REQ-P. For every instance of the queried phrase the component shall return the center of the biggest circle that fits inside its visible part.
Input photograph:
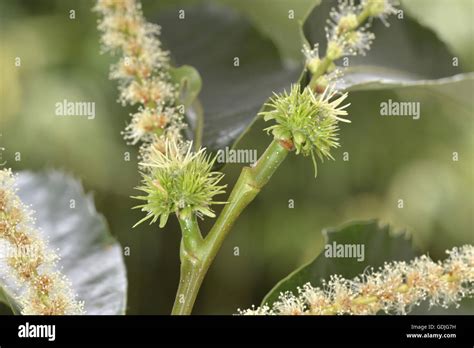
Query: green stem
(249, 184)
(362, 17)
(323, 66)
(194, 266)
(190, 255)
(190, 281)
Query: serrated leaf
(380, 245)
(90, 257)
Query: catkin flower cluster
(143, 72)
(43, 290)
(347, 34)
(395, 288)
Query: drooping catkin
(143, 72)
(394, 288)
(30, 263)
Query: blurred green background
(392, 159)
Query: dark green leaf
(211, 38)
(380, 245)
(279, 20)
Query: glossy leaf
(89, 256)
(279, 20)
(240, 67)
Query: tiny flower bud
(380, 8)
(335, 50)
(299, 139)
(348, 22)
